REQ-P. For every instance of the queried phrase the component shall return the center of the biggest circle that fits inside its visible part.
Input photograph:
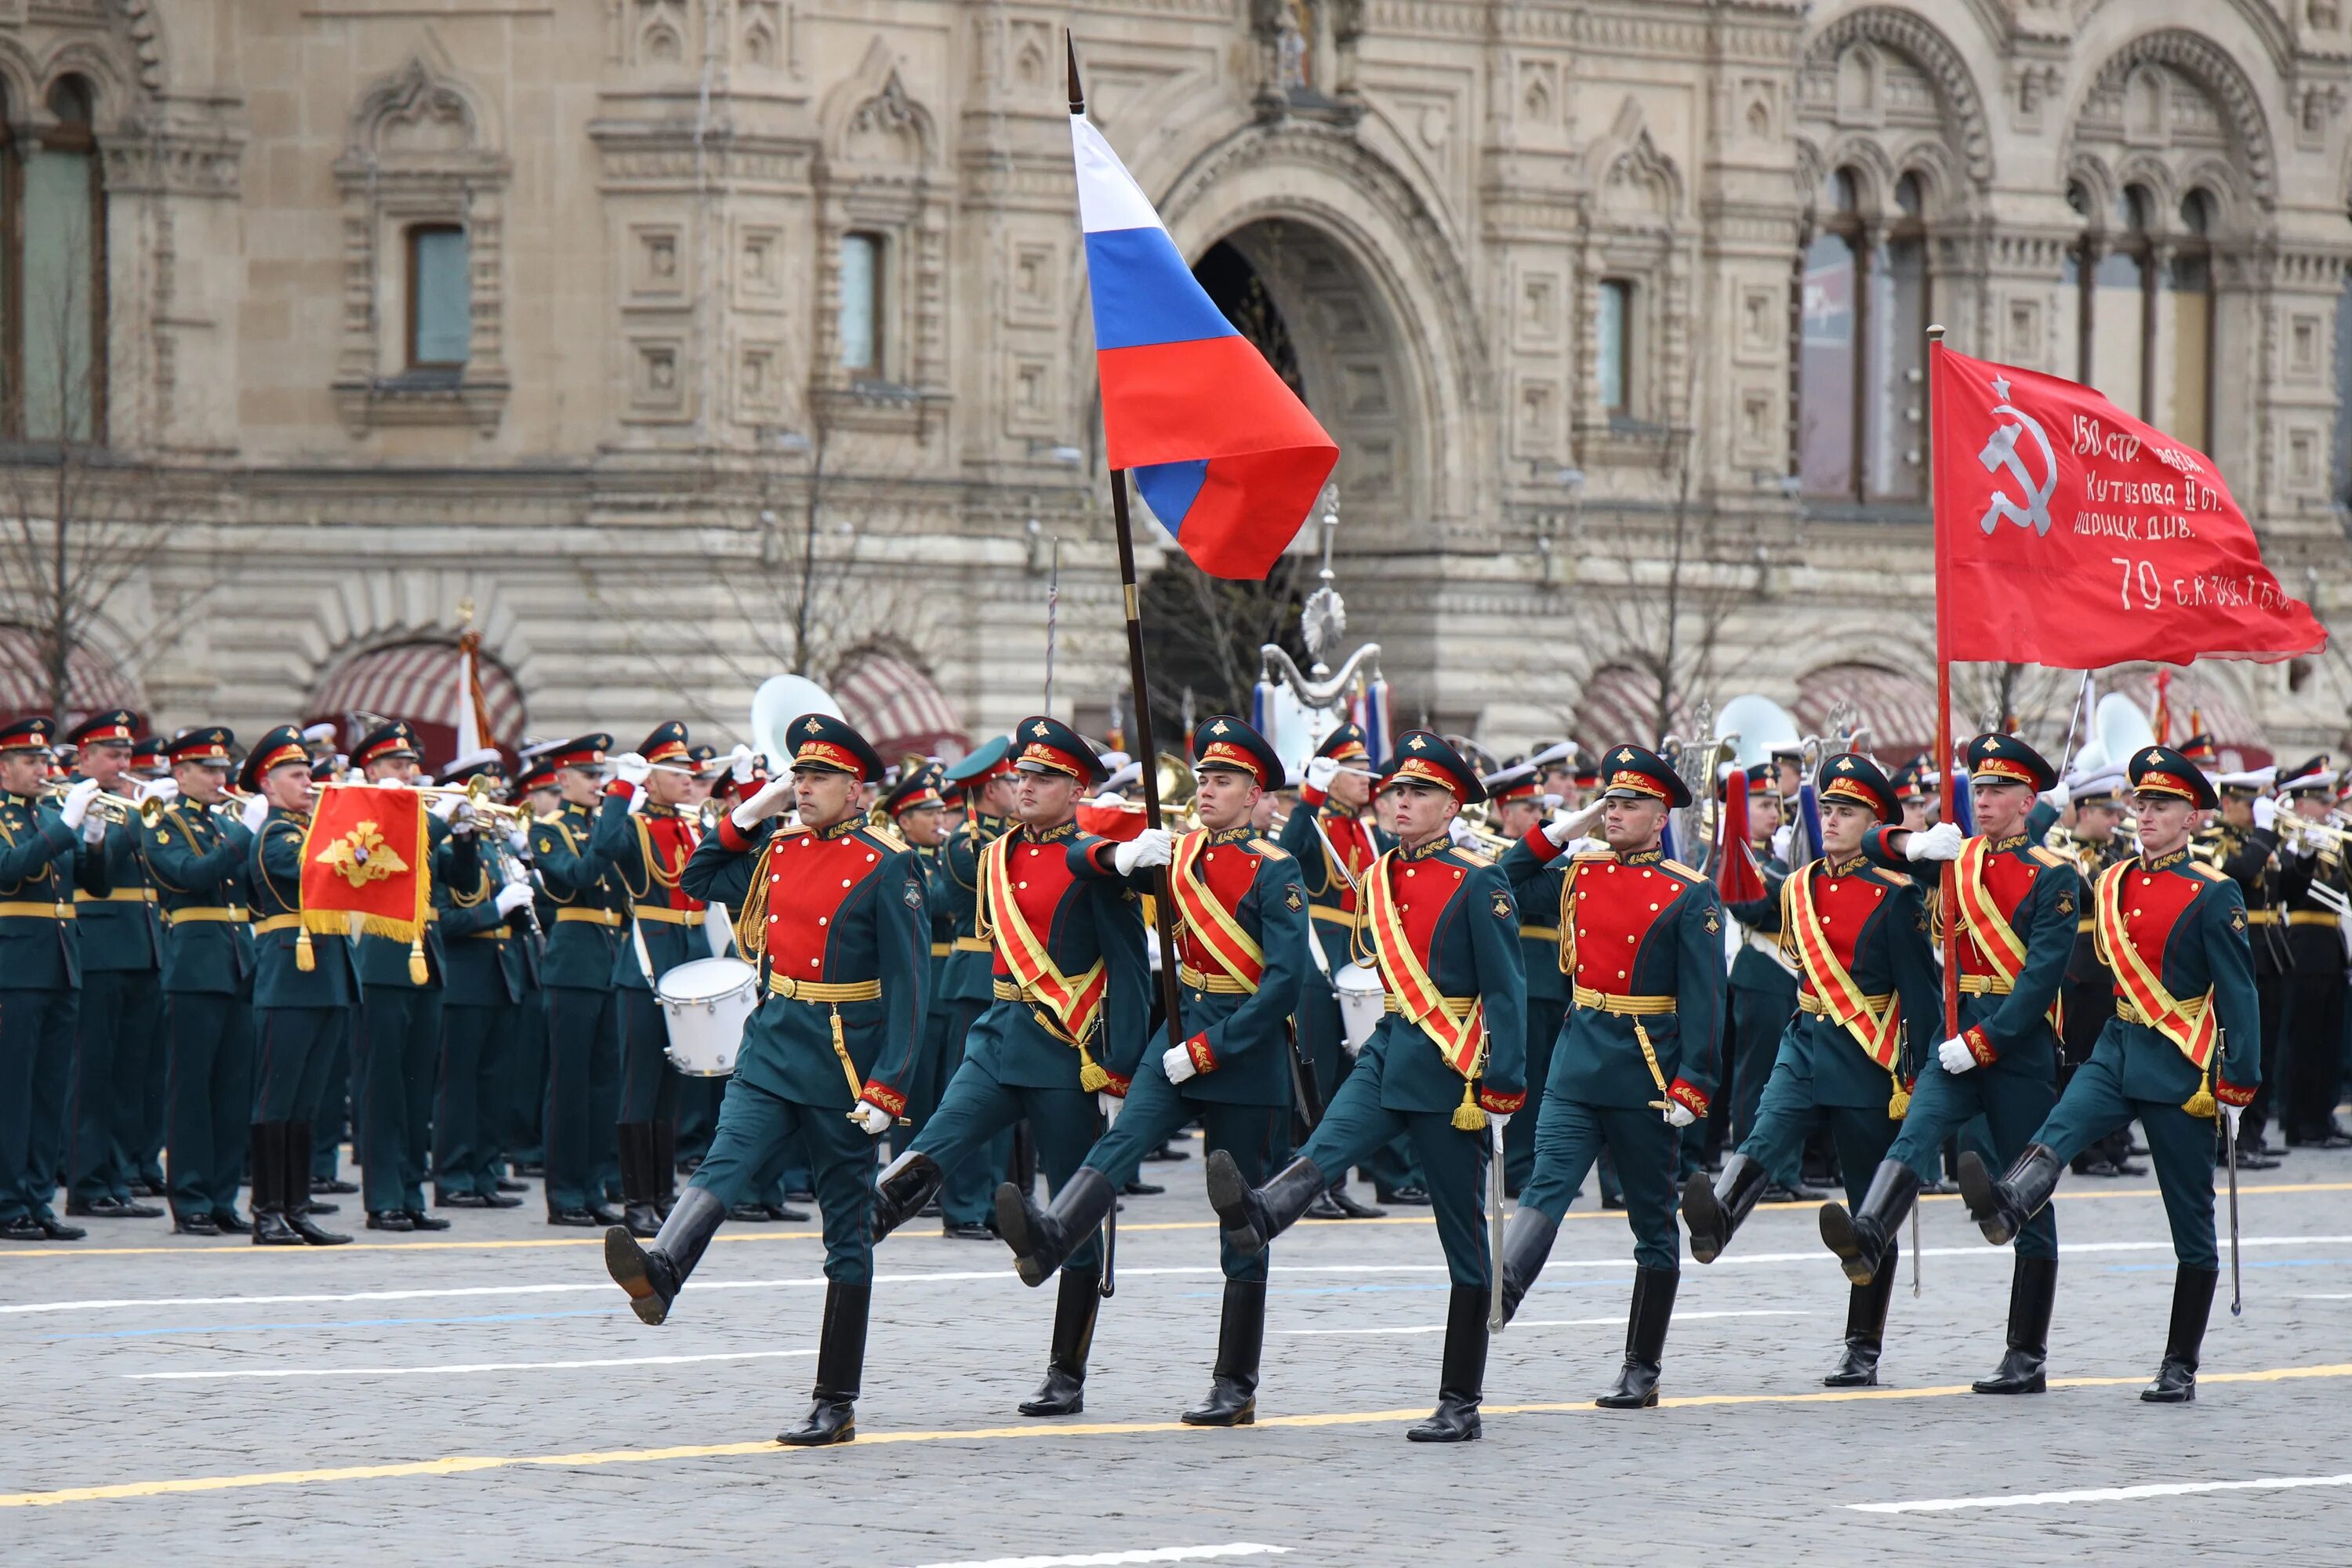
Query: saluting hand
(771, 799)
(1567, 824)
(631, 768)
(1320, 772)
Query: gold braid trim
(751, 919)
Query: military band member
(148, 1070)
(121, 1004)
(1868, 1010)
(919, 815)
(986, 791)
(1519, 810)
(2017, 903)
(1640, 939)
(1443, 928)
(334, 1123)
(1242, 931)
(1068, 1028)
(1334, 847)
(517, 1134)
(196, 857)
(2185, 1040)
(2316, 888)
(305, 988)
(584, 947)
(483, 953)
(49, 851)
(646, 839)
(2242, 841)
(2093, 843)
(832, 911)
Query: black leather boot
(294, 1185)
(1254, 1216)
(1233, 1383)
(1713, 1212)
(1636, 1387)
(905, 1186)
(268, 1203)
(1463, 1373)
(2192, 1302)
(1064, 1391)
(2032, 1287)
(653, 1276)
(638, 1214)
(1860, 1241)
(840, 1362)
(662, 1167)
(1526, 1242)
(1865, 1325)
(1042, 1239)
(2001, 1208)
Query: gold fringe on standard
(419, 972)
(304, 958)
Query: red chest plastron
(1229, 870)
(2153, 903)
(808, 878)
(2009, 876)
(1041, 875)
(1614, 905)
(1354, 851)
(672, 841)
(1423, 888)
(1845, 905)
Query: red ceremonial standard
(2070, 534)
(366, 854)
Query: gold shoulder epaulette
(2210, 873)
(2047, 856)
(1469, 857)
(1679, 869)
(887, 840)
(788, 831)
(1893, 879)
(1267, 849)
(1592, 857)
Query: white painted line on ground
(459, 1366)
(2102, 1494)
(1614, 1319)
(1116, 1558)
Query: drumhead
(706, 979)
(1358, 977)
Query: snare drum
(1362, 1000)
(707, 1002)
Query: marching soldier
(584, 948)
(2316, 889)
(643, 836)
(917, 815)
(122, 1001)
(2017, 905)
(1868, 986)
(1635, 1057)
(982, 781)
(1519, 811)
(2185, 1039)
(2093, 843)
(1064, 1037)
(1334, 847)
(304, 991)
(1442, 926)
(481, 998)
(832, 912)
(48, 852)
(196, 857)
(2242, 841)
(1763, 984)
(1242, 931)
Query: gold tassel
(1898, 1104)
(304, 958)
(2201, 1102)
(1468, 1116)
(418, 973)
(1091, 1076)
(848, 1069)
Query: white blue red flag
(1226, 455)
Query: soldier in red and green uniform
(981, 785)
(1519, 810)
(1441, 924)
(918, 813)
(585, 946)
(2185, 1043)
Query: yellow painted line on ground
(462, 1464)
(741, 1237)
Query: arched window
(1897, 336)
(2144, 312)
(2116, 271)
(1829, 344)
(1862, 347)
(2185, 395)
(53, 273)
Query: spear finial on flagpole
(1078, 93)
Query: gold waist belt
(1984, 985)
(1216, 984)
(970, 945)
(593, 917)
(1007, 990)
(276, 924)
(1455, 1007)
(2086, 925)
(818, 992)
(2191, 1008)
(1809, 1002)
(1629, 1006)
(119, 896)
(231, 915)
(2312, 918)
(666, 917)
(1539, 933)
(1330, 912)
(942, 949)
(2262, 916)
(36, 912)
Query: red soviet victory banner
(366, 854)
(2070, 534)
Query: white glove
(1784, 838)
(772, 798)
(631, 768)
(2265, 812)
(512, 897)
(1320, 772)
(93, 830)
(165, 790)
(256, 811)
(2233, 1113)
(1111, 799)
(518, 838)
(1152, 846)
(1567, 824)
(2058, 797)
(1955, 1056)
(870, 1118)
(1678, 1114)
(1459, 832)
(1177, 1063)
(1497, 1121)
(1941, 842)
(445, 807)
(742, 763)
(75, 808)
(464, 819)
(1110, 1104)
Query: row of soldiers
(831, 907)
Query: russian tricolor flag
(1228, 458)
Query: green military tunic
(586, 940)
(122, 1022)
(482, 992)
(43, 863)
(197, 860)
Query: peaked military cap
(1517, 782)
(667, 745)
(983, 761)
(485, 762)
(328, 768)
(1851, 777)
(821, 742)
(1044, 745)
(147, 756)
(2160, 770)
(918, 789)
(537, 773)
(1424, 756)
(209, 743)
(1224, 742)
(2004, 759)
(2105, 788)
(1635, 773)
(580, 752)
(114, 727)
(1345, 743)
(396, 738)
(32, 734)
(2200, 748)
(280, 744)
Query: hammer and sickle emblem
(2001, 456)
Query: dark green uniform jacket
(2195, 916)
(1460, 917)
(118, 928)
(42, 863)
(967, 966)
(590, 911)
(273, 876)
(1240, 1040)
(483, 955)
(197, 859)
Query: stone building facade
(688, 341)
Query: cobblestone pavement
(482, 1395)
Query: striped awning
(1619, 704)
(1899, 710)
(2194, 702)
(92, 683)
(418, 681)
(896, 706)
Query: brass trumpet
(2315, 834)
(112, 807)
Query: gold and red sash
(1981, 914)
(2195, 1037)
(1075, 1003)
(1878, 1034)
(1214, 930)
(1458, 1040)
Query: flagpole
(1948, 885)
